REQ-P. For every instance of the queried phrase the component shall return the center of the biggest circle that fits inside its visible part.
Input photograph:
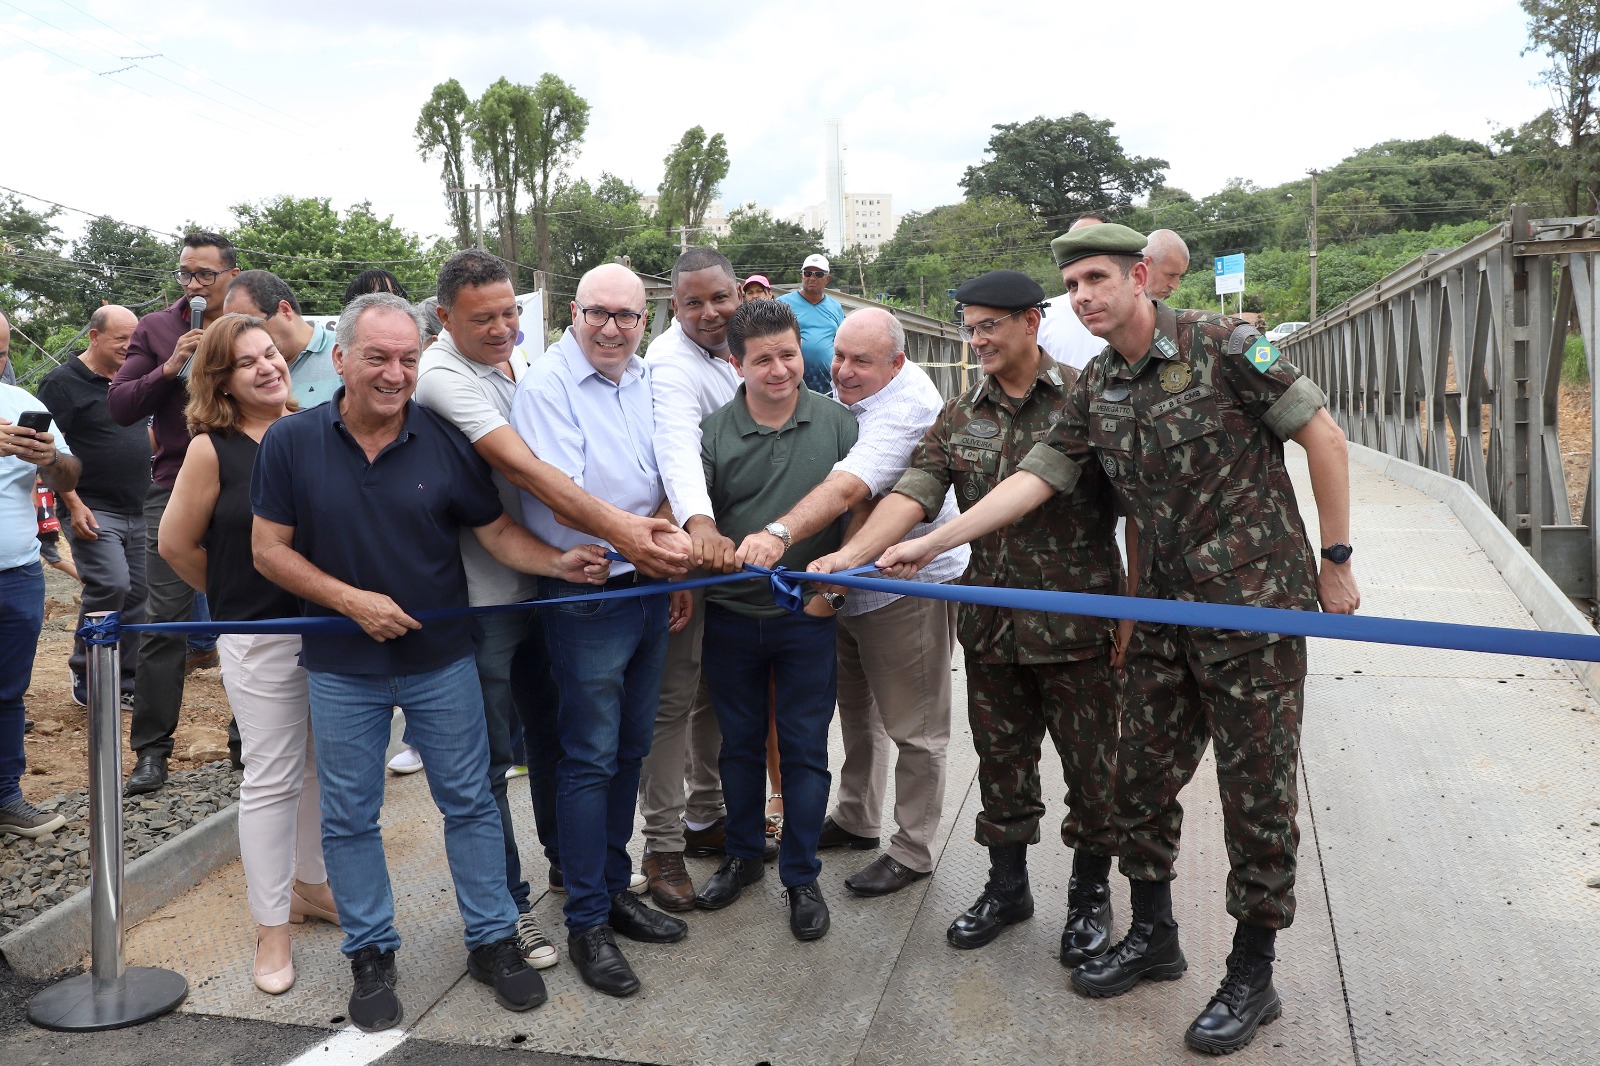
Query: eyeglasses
(204, 277)
(597, 316)
(987, 327)
(813, 273)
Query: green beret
(1006, 289)
(1107, 238)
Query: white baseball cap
(818, 261)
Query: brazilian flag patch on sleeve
(1262, 355)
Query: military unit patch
(1174, 377)
(1262, 355)
(983, 427)
(1110, 464)
(1114, 393)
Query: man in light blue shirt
(306, 346)
(585, 408)
(25, 455)
(819, 316)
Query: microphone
(197, 311)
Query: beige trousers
(679, 778)
(280, 820)
(894, 693)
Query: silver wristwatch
(779, 530)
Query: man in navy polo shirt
(359, 505)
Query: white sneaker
(537, 951)
(516, 771)
(407, 762)
(636, 882)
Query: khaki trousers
(894, 692)
(679, 778)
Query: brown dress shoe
(667, 881)
(708, 841)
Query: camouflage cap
(1006, 289)
(1105, 239)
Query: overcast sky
(248, 101)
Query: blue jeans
(533, 693)
(21, 617)
(507, 671)
(201, 613)
(606, 657)
(739, 655)
(350, 716)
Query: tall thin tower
(834, 180)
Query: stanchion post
(109, 996)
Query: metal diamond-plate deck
(739, 989)
(1448, 831)
(208, 934)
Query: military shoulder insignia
(1165, 346)
(1174, 377)
(1262, 355)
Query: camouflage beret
(1108, 238)
(1006, 289)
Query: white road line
(350, 1047)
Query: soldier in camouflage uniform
(1028, 672)
(1189, 428)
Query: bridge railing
(931, 342)
(1454, 362)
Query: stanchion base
(71, 1006)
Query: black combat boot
(1245, 1001)
(1149, 951)
(1087, 933)
(1006, 899)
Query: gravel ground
(35, 875)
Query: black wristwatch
(1337, 553)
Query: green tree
(1568, 33)
(650, 251)
(968, 238)
(1061, 167)
(559, 119)
(442, 128)
(32, 274)
(694, 169)
(122, 265)
(588, 224)
(757, 243)
(501, 125)
(307, 243)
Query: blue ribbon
(786, 592)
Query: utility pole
(922, 297)
(477, 206)
(683, 239)
(1313, 244)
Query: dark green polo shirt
(755, 474)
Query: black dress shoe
(724, 886)
(699, 843)
(634, 920)
(833, 836)
(808, 914)
(149, 774)
(600, 962)
(882, 877)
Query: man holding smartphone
(27, 451)
(149, 386)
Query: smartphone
(38, 421)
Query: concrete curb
(58, 939)
(1549, 606)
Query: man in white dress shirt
(680, 788)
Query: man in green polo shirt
(763, 452)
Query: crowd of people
(413, 459)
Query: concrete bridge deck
(1450, 824)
